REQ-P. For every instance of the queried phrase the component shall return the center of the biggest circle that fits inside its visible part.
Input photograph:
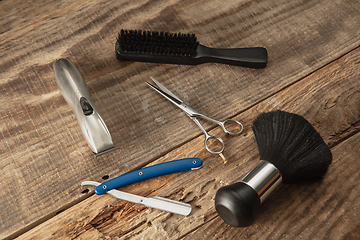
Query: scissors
(194, 115)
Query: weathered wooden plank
(43, 154)
(324, 210)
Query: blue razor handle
(143, 174)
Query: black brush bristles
(157, 43)
(291, 143)
(180, 48)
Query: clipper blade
(105, 151)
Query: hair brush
(179, 48)
(291, 151)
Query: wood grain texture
(323, 210)
(44, 157)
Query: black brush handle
(256, 57)
(237, 204)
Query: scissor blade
(165, 89)
(165, 92)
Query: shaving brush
(291, 151)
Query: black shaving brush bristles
(157, 43)
(290, 142)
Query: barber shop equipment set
(291, 150)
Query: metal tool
(142, 174)
(194, 115)
(153, 202)
(76, 94)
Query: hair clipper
(76, 94)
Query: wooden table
(313, 71)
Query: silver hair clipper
(76, 94)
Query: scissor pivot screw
(140, 173)
(104, 187)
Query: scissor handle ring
(207, 138)
(227, 132)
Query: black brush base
(237, 204)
